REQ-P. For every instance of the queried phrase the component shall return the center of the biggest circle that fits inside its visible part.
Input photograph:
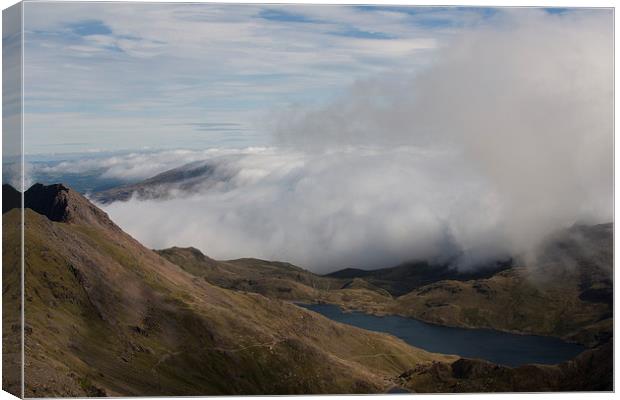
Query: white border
(475, 3)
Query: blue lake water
(497, 347)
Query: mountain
(107, 316)
(270, 278)
(553, 299)
(11, 300)
(404, 278)
(11, 198)
(567, 294)
(186, 178)
(566, 291)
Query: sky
(112, 76)
(341, 136)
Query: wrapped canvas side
(12, 203)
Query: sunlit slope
(270, 278)
(105, 315)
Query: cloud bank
(132, 166)
(367, 207)
(526, 101)
(504, 139)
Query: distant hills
(270, 278)
(567, 292)
(186, 178)
(408, 276)
(568, 295)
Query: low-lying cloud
(130, 166)
(527, 101)
(504, 139)
(366, 207)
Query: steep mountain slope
(11, 297)
(106, 316)
(11, 198)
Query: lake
(498, 347)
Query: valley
(555, 299)
(107, 316)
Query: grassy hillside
(106, 316)
(11, 296)
(548, 300)
(511, 300)
(271, 278)
(566, 293)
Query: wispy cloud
(191, 62)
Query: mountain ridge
(107, 316)
(184, 178)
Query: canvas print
(259, 199)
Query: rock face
(52, 201)
(11, 198)
(61, 204)
(107, 316)
(58, 203)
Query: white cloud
(190, 61)
(328, 210)
(506, 138)
(526, 100)
(134, 166)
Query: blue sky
(111, 76)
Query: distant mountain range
(404, 278)
(186, 178)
